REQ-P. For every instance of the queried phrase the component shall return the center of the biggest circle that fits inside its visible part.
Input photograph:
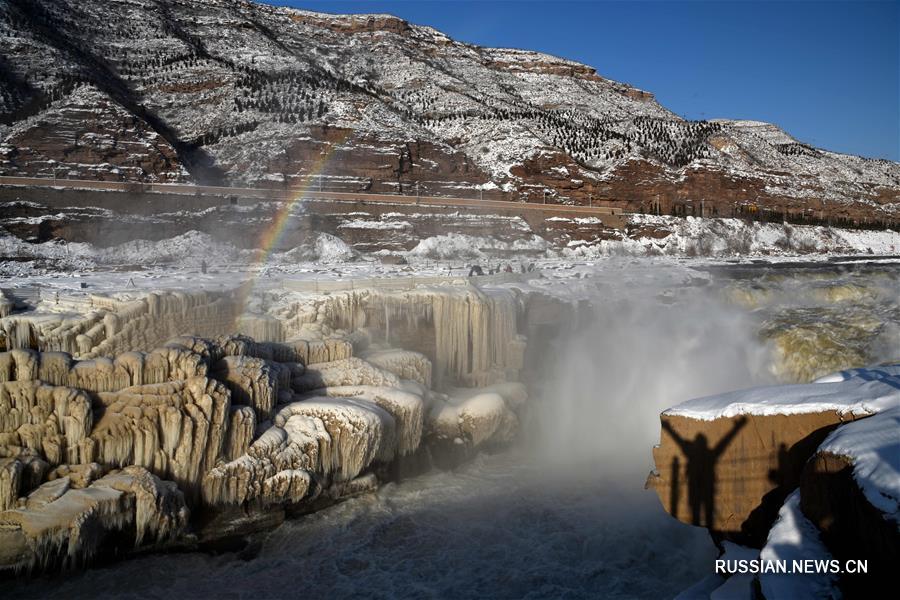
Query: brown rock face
(354, 23)
(89, 136)
(851, 527)
(732, 475)
(355, 161)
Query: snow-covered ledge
(730, 462)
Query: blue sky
(828, 72)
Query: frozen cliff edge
(120, 433)
(214, 445)
(820, 459)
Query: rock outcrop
(732, 475)
(818, 461)
(62, 523)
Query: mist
(599, 410)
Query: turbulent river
(563, 514)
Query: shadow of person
(673, 488)
(701, 470)
(782, 476)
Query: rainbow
(274, 233)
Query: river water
(563, 514)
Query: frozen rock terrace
(165, 420)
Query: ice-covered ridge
(867, 392)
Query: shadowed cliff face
(732, 475)
(850, 525)
(253, 94)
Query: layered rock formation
(245, 93)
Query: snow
(472, 418)
(695, 236)
(406, 408)
(382, 225)
(189, 246)
(736, 587)
(457, 246)
(794, 538)
(492, 105)
(360, 431)
(332, 249)
(886, 372)
(187, 249)
(869, 391)
(873, 446)
(323, 249)
(646, 235)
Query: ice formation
(336, 437)
(253, 382)
(405, 364)
(241, 431)
(407, 409)
(360, 433)
(122, 417)
(6, 305)
(472, 419)
(40, 426)
(176, 429)
(349, 371)
(61, 522)
(475, 339)
(102, 374)
(114, 326)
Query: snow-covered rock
(794, 538)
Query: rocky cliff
(795, 471)
(236, 92)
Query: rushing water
(499, 527)
(564, 514)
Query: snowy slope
(224, 90)
(873, 446)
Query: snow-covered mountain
(243, 93)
